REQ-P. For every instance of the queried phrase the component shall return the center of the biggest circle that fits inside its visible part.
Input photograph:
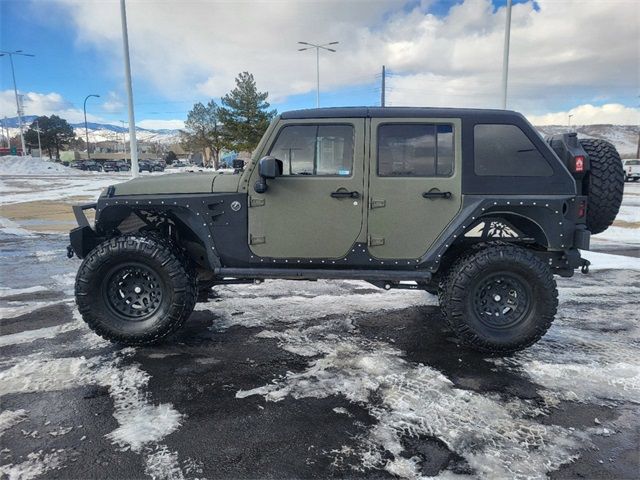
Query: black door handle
(345, 194)
(437, 195)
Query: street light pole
(505, 55)
(39, 144)
(569, 123)
(317, 47)
(124, 140)
(15, 91)
(86, 131)
(133, 144)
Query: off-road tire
(464, 284)
(173, 282)
(604, 184)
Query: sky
(578, 57)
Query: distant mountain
(28, 119)
(104, 132)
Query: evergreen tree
(245, 114)
(203, 132)
(55, 133)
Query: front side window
(415, 150)
(324, 150)
(505, 151)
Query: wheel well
(530, 235)
(168, 224)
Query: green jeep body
(499, 182)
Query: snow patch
(497, 440)
(17, 309)
(140, 422)
(36, 464)
(9, 292)
(27, 165)
(10, 418)
(10, 227)
(27, 336)
(603, 261)
(163, 464)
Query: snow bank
(607, 261)
(13, 165)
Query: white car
(631, 169)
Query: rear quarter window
(505, 151)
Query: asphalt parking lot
(313, 380)
(308, 379)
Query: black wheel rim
(501, 300)
(133, 292)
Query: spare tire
(604, 184)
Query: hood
(192, 182)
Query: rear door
(414, 184)
(315, 209)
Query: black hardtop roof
(401, 112)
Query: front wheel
(499, 299)
(135, 289)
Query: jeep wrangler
(472, 205)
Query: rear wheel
(499, 299)
(604, 184)
(135, 290)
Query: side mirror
(268, 167)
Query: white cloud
(570, 49)
(161, 124)
(113, 103)
(35, 103)
(611, 113)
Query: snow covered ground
(311, 379)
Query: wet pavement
(312, 380)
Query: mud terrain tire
(135, 289)
(499, 299)
(604, 184)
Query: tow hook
(585, 266)
(70, 251)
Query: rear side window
(632, 162)
(325, 150)
(505, 151)
(415, 150)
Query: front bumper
(83, 238)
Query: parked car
(123, 166)
(91, 165)
(158, 165)
(76, 164)
(111, 166)
(631, 170)
(116, 166)
(471, 205)
(145, 166)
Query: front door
(414, 184)
(315, 209)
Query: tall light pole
(86, 130)
(569, 123)
(133, 144)
(39, 144)
(505, 55)
(15, 90)
(124, 140)
(317, 47)
(4, 125)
